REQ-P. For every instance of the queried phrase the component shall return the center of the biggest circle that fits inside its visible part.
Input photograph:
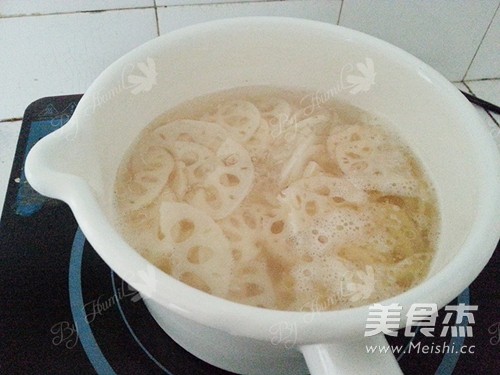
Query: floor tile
(9, 8)
(171, 18)
(63, 54)
(9, 132)
(444, 34)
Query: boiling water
(264, 197)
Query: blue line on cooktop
(87, 339)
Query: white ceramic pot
(78, 164)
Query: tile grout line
(468, 88)
(481, 42)
(340, 11)
(481, 79)
(155, 6)
(73, 12)
(156, 17)
(13, 119)
(493, 118)
(224, 3)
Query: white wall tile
(171, 18)
(443, 33)
(486, 63)
(198, 2)
(63, 54)
(32, 7)
(9, 132)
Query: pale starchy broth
(273, 198)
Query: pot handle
(351, 358)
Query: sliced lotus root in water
(322, 279)
(313, 169)
(138, 227)
(207, 134)
(308, 159)
(178, 180)
(316, 118)
(296, 131)
(274, 222)
(371, 161)
(393, 227)
(240, 118)
(345, 133)
(145, 178)
(390, 279)
(377, 166)
(319, 163)
(305, 206)
(274, 110)
(338, 190)
(227, 185)
(217, 171)
(148, 156)
(249, 227)
(292, 146)
(389, 236)
(258, 144)
(274, 232)
(252, 285)
(323, 233)
(317, 124)
(210, 116)
(379, 233)
(242, 229)
(309, 151)
(194, 161)
(311, 198)
(296, 162)
(200, 253)
(409, 271)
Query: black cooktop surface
(64, 311)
